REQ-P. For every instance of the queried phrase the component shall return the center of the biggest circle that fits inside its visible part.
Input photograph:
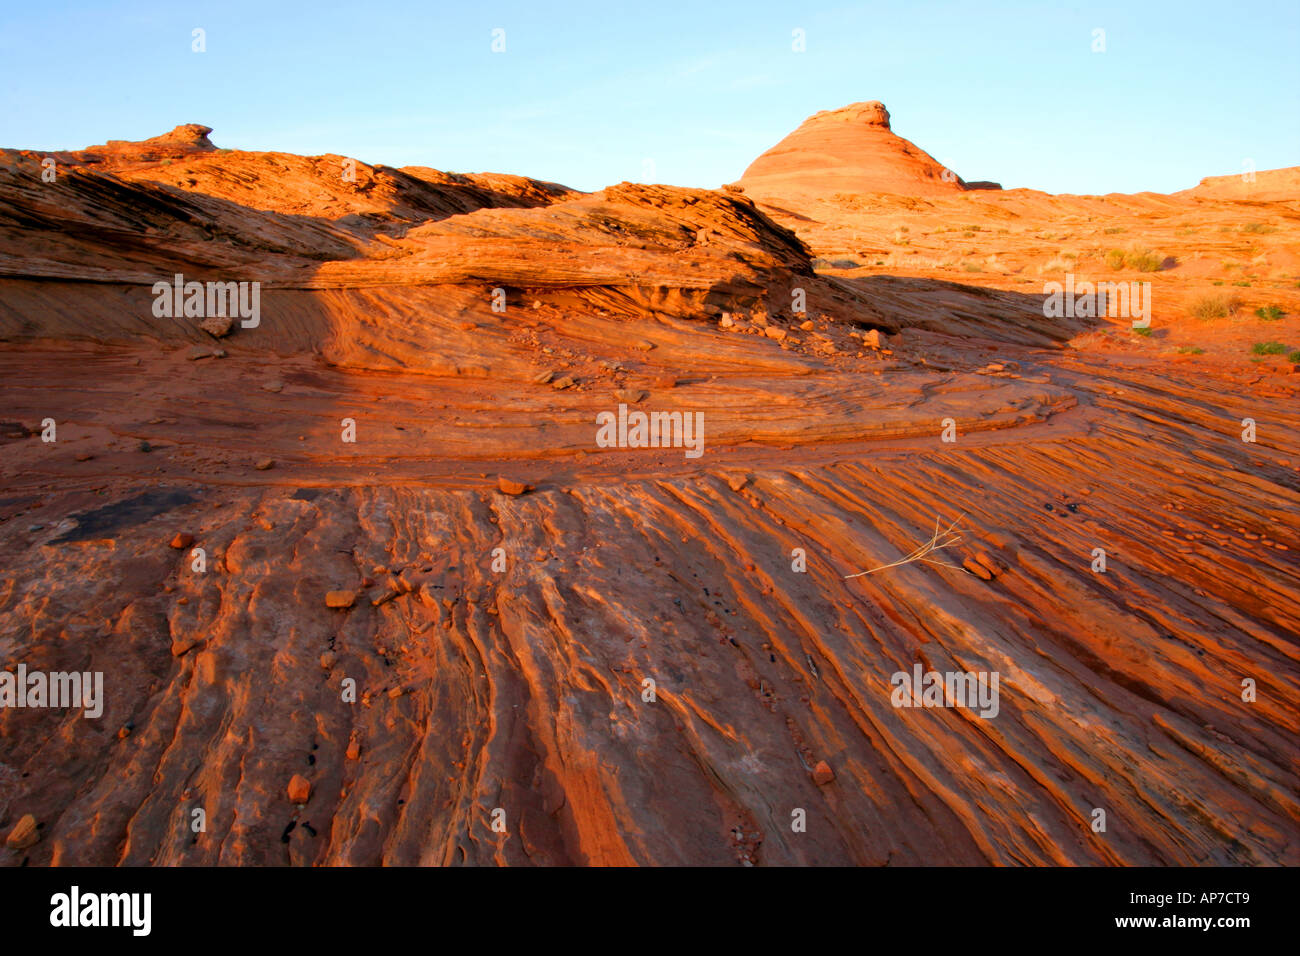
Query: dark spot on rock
(100, 522)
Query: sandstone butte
(500, 644)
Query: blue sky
(586, 92)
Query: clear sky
(586, 92)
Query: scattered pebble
(24, 833)
(508, 486)
(299, 789)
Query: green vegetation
(1113, 230)
(1145, 333)
(1268, 348)
(1269, 313)
(1145, 260)
(1258, 228)
(1190, 350)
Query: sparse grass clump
(1243, 283)
(973, 267)
(1269, 313)
(1215, 306)
(1145, 333)
(1268, 348)
(1258, 228)
(1115, 259)
(1113, 230)
(1144, 260)
(1190, 350)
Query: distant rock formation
(850, 150)
(1265, 185)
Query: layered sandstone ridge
(396, 483)
(851, 150)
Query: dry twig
(938, 541)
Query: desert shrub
(1242, 283)
(973, 267)
(1215, 306)
(1258, 228)
(1144, 260)
(1115, 259)
(1294, 357)
(1145, 333)
(1269, 313)
(1114, 230)
(1190, 350)
(1268, 348)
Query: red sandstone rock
(508, 486)
(24, 834)
(524, 688)
(299, 789)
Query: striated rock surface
(385, 653)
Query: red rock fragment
(508, 486)
(299, 789)
(24, 833)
